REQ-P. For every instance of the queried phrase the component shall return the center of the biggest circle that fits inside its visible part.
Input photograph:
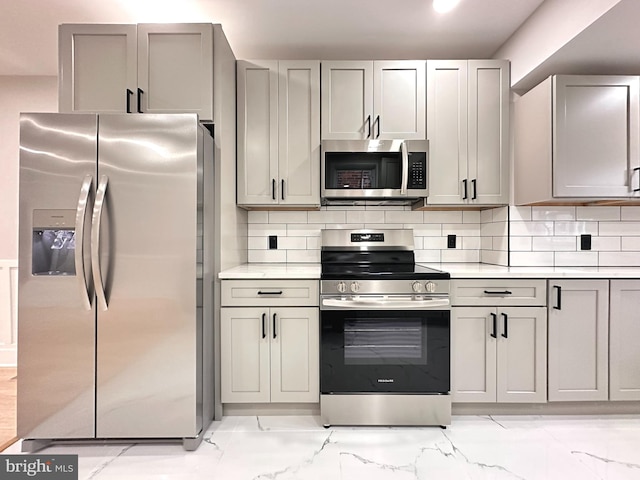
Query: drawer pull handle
(558, 305)
(502, 292)
(260, 292)
(274, 326)
(264, 325)
(495, 325)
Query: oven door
(385, 351)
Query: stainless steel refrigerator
(115, 306)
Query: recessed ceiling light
(443, 6)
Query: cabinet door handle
(503, 292)
(274, 326)
(475, 189)
(637, 169)
(368, 122)
(505, 333)
(378, 126)
(273, 188)
(558, 305)
(495, 325)
(264, 325)
(282, 189)
(260, 292)
(129, 93)
(465, 194)
(140, 92)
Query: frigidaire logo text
(60, 467)
(385, 380)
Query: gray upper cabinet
(468, 132)
(145, 68)
(278, 104)
(373, 100)
(577, 136)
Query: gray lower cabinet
(498, 340)
(624, 330)
(270, 348)
(578, 340)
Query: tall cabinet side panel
(56, 317)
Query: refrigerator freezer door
(147, 336)
(56, 333)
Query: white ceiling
(278, 29)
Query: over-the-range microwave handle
(81, 210)
(405, 168)
(95, 242)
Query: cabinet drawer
(499, 292)
(250, 293)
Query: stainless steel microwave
(374, 169)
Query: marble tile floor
(299, 448)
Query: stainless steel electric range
(385, 332)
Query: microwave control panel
(417, 170)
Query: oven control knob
(417, 287)
(355, 286)
(342, 287)
(430, 287)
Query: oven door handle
(363, 303)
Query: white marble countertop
(278, 271)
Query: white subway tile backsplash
(292, 243)
(327, 216)
(258, 243)
(471, 243)
(500, 214)
(458, 256)
(435, 243)
(576, 259)
(427, 256)
(630, 243)
(520, 214)
(471, 216)
(258, 216)
(630, 213)
(531, 259)
(620, 229)
(494, 257)
(267, 256)
(427, 230)
(313, 243)
(546, 244)
(521, 244)
(380, 226)
(500, 243)
(604, 244)
(463, 229)
(486, 216)
(444, 216)
(303, 256)
(486, 243)
(598, 213)
(418, 243)
(265, 229)
(403, 217)
(364, 216)
(575, 228)
(277, 216)
(529, 229)
(553, 213)
(619, 259)
(305, 230)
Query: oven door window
(385, 351)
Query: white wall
(17, 94)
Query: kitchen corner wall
(298, 232)
(550, 236)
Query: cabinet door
(175, 68)
(244, 346)
(399, 100)
(299, 133)
(447, 131)
(488, 130)
(295, 352)
(578, 340)
(97, 65)
(522, 355)
(257, 107)
(347, 100)
(624, 354)
(473, 355)
(595, 145)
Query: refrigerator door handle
(81, 210)
(95, 242)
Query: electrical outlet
(273, 242)
(585, 241)
(451, 241)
